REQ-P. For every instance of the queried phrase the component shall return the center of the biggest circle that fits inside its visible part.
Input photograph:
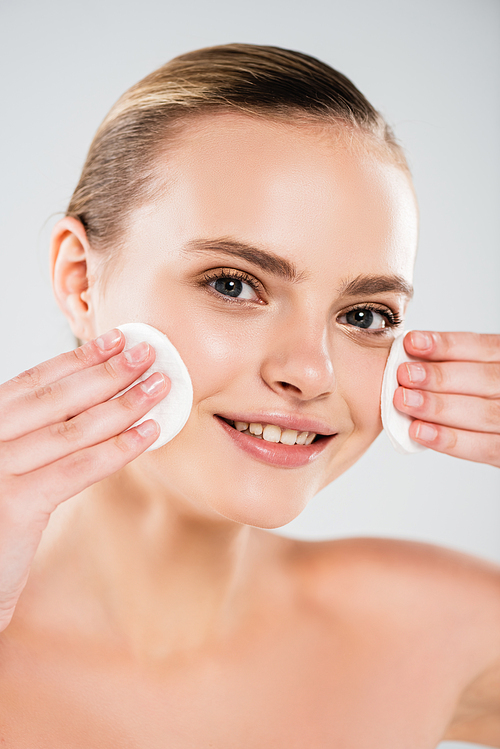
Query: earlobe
(69, 258)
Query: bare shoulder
(444, 602)
(426, 575)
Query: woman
(251, 204)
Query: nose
(298, 363)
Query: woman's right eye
(234, 287)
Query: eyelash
(393, 318)
(208, 278)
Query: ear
(69, 264)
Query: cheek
(360, 382)
(219, 350)
(213, 354)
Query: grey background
(431, 66)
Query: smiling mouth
(274, 433)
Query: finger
(88, 355)
(74, 394)
(466, 378)
(453, 346)
(92, 427)
(67, 477)
(460, 411)
(476, 446)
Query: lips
(275, 452)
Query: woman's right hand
(60, 433)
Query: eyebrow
(263, 259)
(373, 284)
(278, 266)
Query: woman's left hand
(454, 395)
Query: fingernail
(426, 433)
(153, 384)
(147, 428)
(416, 372)
(108, 340)
(412, 398)
(137, 353)
(422, 341)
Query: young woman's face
(276, 261)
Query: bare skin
(158, 611)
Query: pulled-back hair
(119, 173)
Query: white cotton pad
(173, 411)
(396, 424)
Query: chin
(263, 497)
(255, 502)
(274, 512)
(216, 485)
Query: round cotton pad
(173, 411)
(395, 423)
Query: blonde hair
(119, 172)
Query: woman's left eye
(366, 319)
(233, 287)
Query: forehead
(310, 192)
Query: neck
(156, 576)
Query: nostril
(289, 386)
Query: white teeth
(288, 436)
(271, 433)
